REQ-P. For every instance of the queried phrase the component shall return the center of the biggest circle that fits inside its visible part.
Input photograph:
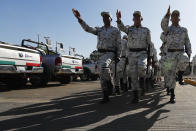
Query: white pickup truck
(57, 67)
(17, 64)
(73, 63)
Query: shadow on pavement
(82, 109)
(5, 88)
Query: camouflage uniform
(115, 77)
(155, 62)
(177, 41)
(121, 64)
(163, 53)
(122, 74)
(108, 41)
(138, 41)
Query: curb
(189, 81)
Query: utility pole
(38, 37)
(56, 46)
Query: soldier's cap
(106, 13)
(137, 13)
(125, 37)
(176, 12)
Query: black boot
(141, 82)
(117, 90)
(109, 87)
(129, 81)
(153, 82)
(125, 87)
(147, 82)
(180, 77)
(167, 90)
(121, 84)
(135, 97)
(105, 97)
(172, 97)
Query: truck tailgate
(15, 55)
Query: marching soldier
(139, 40)
(122, 65)
(115, 75)
(177, 43)
(109, 39)
(154, 66)
(163, 53)
(151, 74)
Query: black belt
(103, 50)
(137, 49)
(175, 50)
(123, 57)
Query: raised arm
(120, 23)
(86, 27)
(165, 21)
(118, 43)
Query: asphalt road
(75, 107)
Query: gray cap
(176, 12)
(137, 13)
(106, 13)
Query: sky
(25, 19)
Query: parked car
(17, 64)
(57, 67)
(90, 70)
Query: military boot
(135, 97)
(117, 90)
(121, 84)
(129, 81)
(180, 77)
(172, 97)
(105, 97)
(125, 87)
(109, 87)
(142, 86)
(168, 91)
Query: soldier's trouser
(104, 64)
(121, 70)
(161, 65)
(175, 61)
(115, 77)
(125, 78)
(136, 67)
(155, 73)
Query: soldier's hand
(76, 13)
(118, 15)
(168, 12)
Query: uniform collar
(107, 27)
(175, 26)
(137, 27)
